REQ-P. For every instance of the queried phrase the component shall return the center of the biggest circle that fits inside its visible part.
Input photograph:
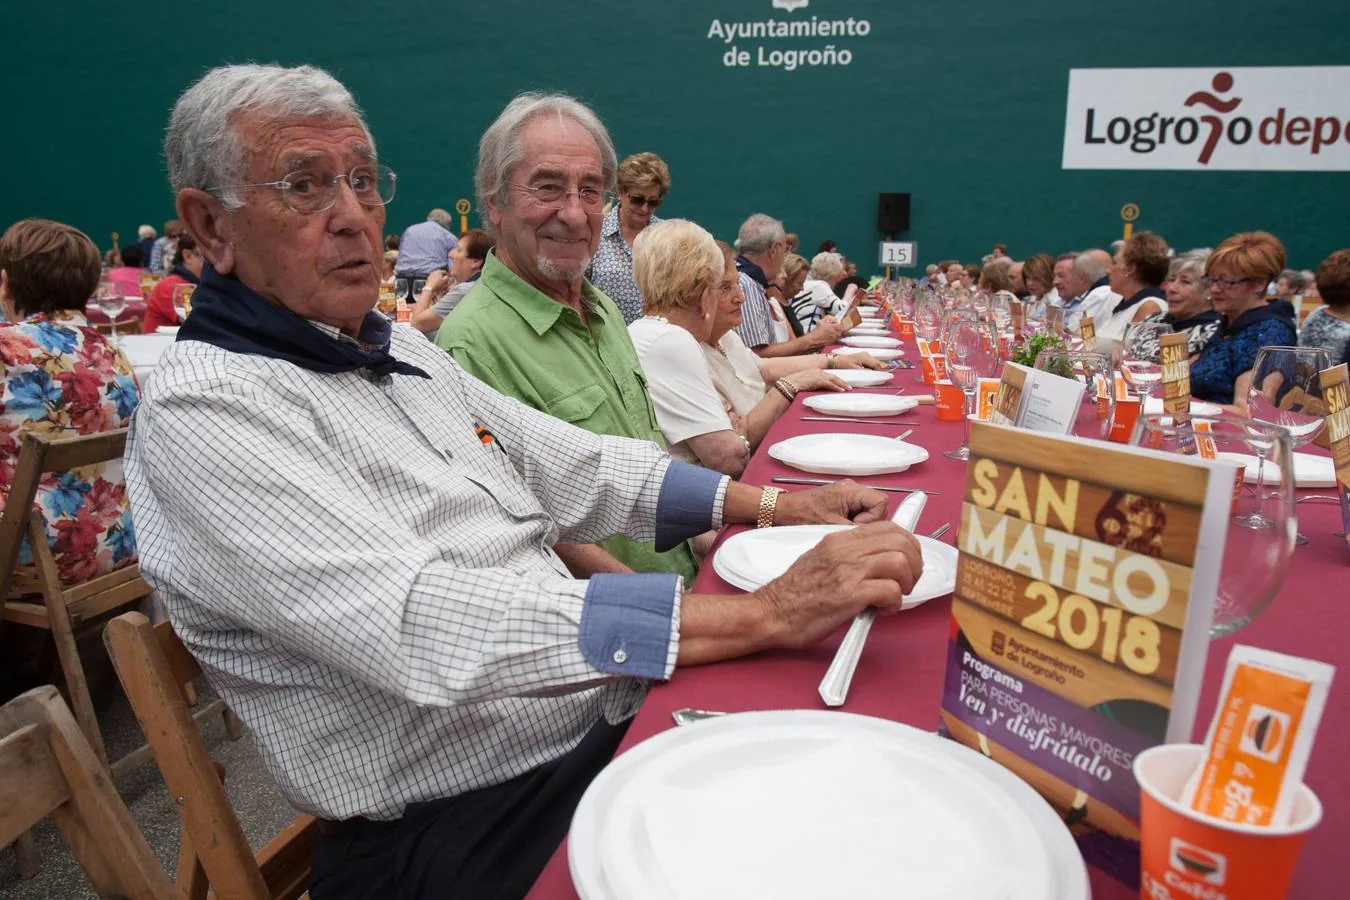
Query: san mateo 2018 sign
(1289, 118)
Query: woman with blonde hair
(643, 180)
(708, 389)
(1238, 273)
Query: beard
(568, 270)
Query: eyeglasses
(308, 191)
(1226, 283)
(554, 196)
(639, 200)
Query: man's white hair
(1089, 267)
(201, 146)
(145, 231)
(499, 150)
(758, 233)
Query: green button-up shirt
(531, 347)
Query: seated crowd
(442, 563)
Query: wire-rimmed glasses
(310, 191)
(551, 195)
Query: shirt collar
(753, 271)
(1148, 293)
(1251, 317)
(610, 226)
(540, 311)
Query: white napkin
(839, 822)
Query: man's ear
(494, 213)
(205, 219)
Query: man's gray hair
(1191, 262)
(441, 218)
(201, 146)
(758, 233)
(1115, 247)
(145, 231)
(499, 150)
(1295, 280)
(825, 266)
(1089, 267)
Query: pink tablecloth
(901, 671)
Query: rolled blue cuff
(627, 621)
(686, 504)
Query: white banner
(1285, 118)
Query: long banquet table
(900, 674)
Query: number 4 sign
(904, 254)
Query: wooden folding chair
(154, 666)
(48, 768)
(64, 609)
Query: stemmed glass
(1139, 358)
(928, 313)
(112, 303)
(971, 348)
(1286, 390)
(182, 300)
(1093, 370)
(1255, 560)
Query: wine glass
(971, 348)
(1139, 358)
(1286, 390)
(112, 303)
(1093, 370)
(182, 300)
(1255, 560)
(1035, 316)
(928, 313)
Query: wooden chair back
(47, 768)
(64, 608)
(154, 667)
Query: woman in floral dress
(61, 376)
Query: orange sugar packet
(1261, 737)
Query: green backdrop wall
(961, 103)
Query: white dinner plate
(874, 352)
(752, 559)
(862, 377)
(785, 787)
(1154, 406)
(868, 312)
(1309, 471)
(870, 341)
(868, 328)
(167, 329)
(856, 404)
(847, 454)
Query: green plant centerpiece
(1025, 354)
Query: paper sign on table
(1336, 395)
(1173, 351)
(1036, 399)
(985, 392)
(1081, 617)
(1127, 411)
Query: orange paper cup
(1127, 413)
(1185, 855)
(951, 403)
(906, 329)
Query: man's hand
(825, 333)
(857, 361)
(834, 504)
(818, 380)
(870, 566)
(438, 282)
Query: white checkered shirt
(371, 587)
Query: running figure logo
(1222, 83)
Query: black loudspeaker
(892, 212)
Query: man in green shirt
(533, 327)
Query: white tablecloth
(143, 351)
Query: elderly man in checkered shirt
(354, 537)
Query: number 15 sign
(904, 254)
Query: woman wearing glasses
(1238, 272)
(643, 180)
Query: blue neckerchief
(185, 273)
(226, 314)
(754, 271)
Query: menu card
(1336, 395)
(1176, 373)
(1084, 596)
(1036, 400)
